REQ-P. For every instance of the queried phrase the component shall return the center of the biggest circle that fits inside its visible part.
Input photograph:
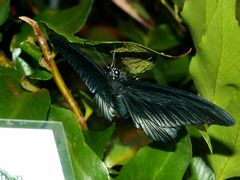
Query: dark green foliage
(140, 35)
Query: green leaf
(203, 13)
(25, 68)
(88, 103)
(200, 132)
(172, 70)
(18, 103)
(155, 163)
(199, 170)
(119, 154)
(131, 31)
(179, 3)
(215, 71)
(71, 20)
(163, 38)
(127, 141)
(67, 21)
(41, 75)
(32, 50)
(21, 65)
(99, 140)
(206, 137)
(86, 164)
(4, 10)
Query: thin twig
(174, 13)
(47, 54)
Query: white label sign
(29, 154)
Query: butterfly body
(116, 85)
(159, 111)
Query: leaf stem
(49, 58)
(175, 14)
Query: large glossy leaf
(215, 70)
(71, 20)
(86, 164)
(68, 21)
(155, 163)
(18, 103)
(98, 140)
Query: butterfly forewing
(92, 75)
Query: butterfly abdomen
(120, 106)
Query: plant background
(117, 150)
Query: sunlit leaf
(215, 71)
(199, 170)
(156, 163)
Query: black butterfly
(159, 111)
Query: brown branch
(47, 54)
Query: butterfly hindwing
(172, 107)
(105, 106)
(158, 110)
(145, 119)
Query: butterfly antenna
(101, 57)
(114, 59)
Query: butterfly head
(114, 73)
